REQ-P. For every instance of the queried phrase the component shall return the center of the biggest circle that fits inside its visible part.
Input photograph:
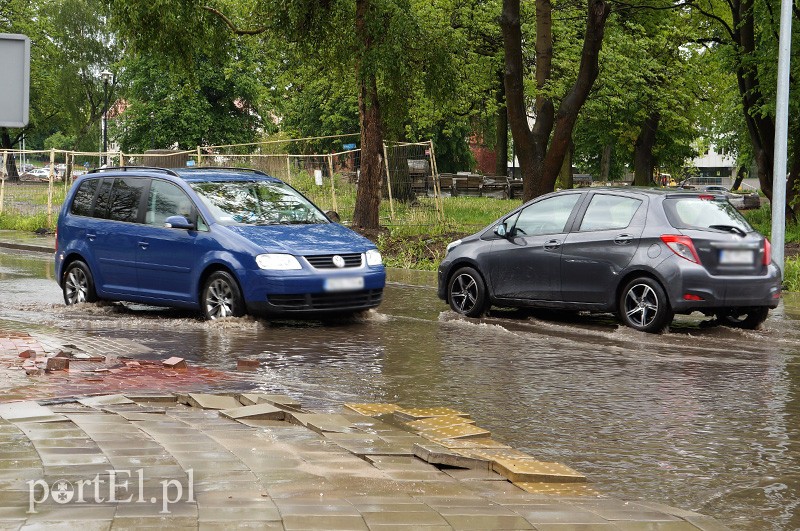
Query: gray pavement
(182, 459)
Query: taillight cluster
(767, 258)
(683, 246)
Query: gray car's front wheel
(643, 305)
(221, 297)
(78, 284)
(466, 293)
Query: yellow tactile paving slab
(530, 470)
(462, 431)
(479, 442)
(558, 489)
(372, 410)
(438, 422)
(492, 454)
(408, 414)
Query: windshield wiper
(730, 228)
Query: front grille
(327, 301)
(325, 261)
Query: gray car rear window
(696, 212)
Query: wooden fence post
(388, 182)
(333, 186)
(3, 176)
(50, 188)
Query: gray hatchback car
(645, 254)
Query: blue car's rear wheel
(466, 293)
(643, 305)
(221, 297)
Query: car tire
(466, 293)
(221, 297)
(750, 319)
(78, 284)
(644, 306)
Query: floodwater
(706, 419)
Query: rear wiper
(730, 228)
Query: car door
(602, 244)
(114, 233)
(525, 265)
(165, 255)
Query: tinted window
(607, 212)
(548, 216)
(699, 213)
(103, 199)
(126, 198)
(167, 200)
(82, 203)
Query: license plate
(730, 256)
(344, 283)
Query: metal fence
(410, 182)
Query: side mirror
(501, 230)
(178, 222)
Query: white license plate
(729, 256)
(344, 283)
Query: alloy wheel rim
(464, 293)
(219, 300)
(77, 286)
(641, 305)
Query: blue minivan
(220, 240)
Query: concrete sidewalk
(27, 241)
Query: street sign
(15, 65)
(349, 146)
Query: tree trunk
(11, 163)
(565, 180)
(605, 162)
(643, 151)
(540, 156)
(741, 173)
(368, 194)
(501, 130)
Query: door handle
(144, 245)
(552, 244)
(623, 239)
(91, 236)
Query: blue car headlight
(277, 262)
(374, 257)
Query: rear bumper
(723, 291)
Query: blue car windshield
(257, 203)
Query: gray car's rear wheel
(749, 319)
(466, 293)
(643, 305)
(221, 297)
(78, 284)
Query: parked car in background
(221, 241)
(644, 254)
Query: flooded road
(706, 419)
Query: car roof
(196, 174)
(657, 192)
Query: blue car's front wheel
(221, 297)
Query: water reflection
(705, 419)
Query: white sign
(318, 177)
(15, 79)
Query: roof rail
(224, 168)
(132, 168)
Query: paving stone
(484, 522)
(372, 410)
(473, 474)
(254, 412)
(405, 517)
(104, 400)
(706, 523)
(528, 470)
(558, 489)
(463, 431)
(445, 421)
(91, 525)
(249, 399)
(167, 398)
(240, 524)
(493, 454)
(559, 513)
(26, 412)
(409, 414)
(480, 442)
(234, 514)
(133, 523)
(206, 401)
(439, 455)
(324, 523)
(322, 422)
